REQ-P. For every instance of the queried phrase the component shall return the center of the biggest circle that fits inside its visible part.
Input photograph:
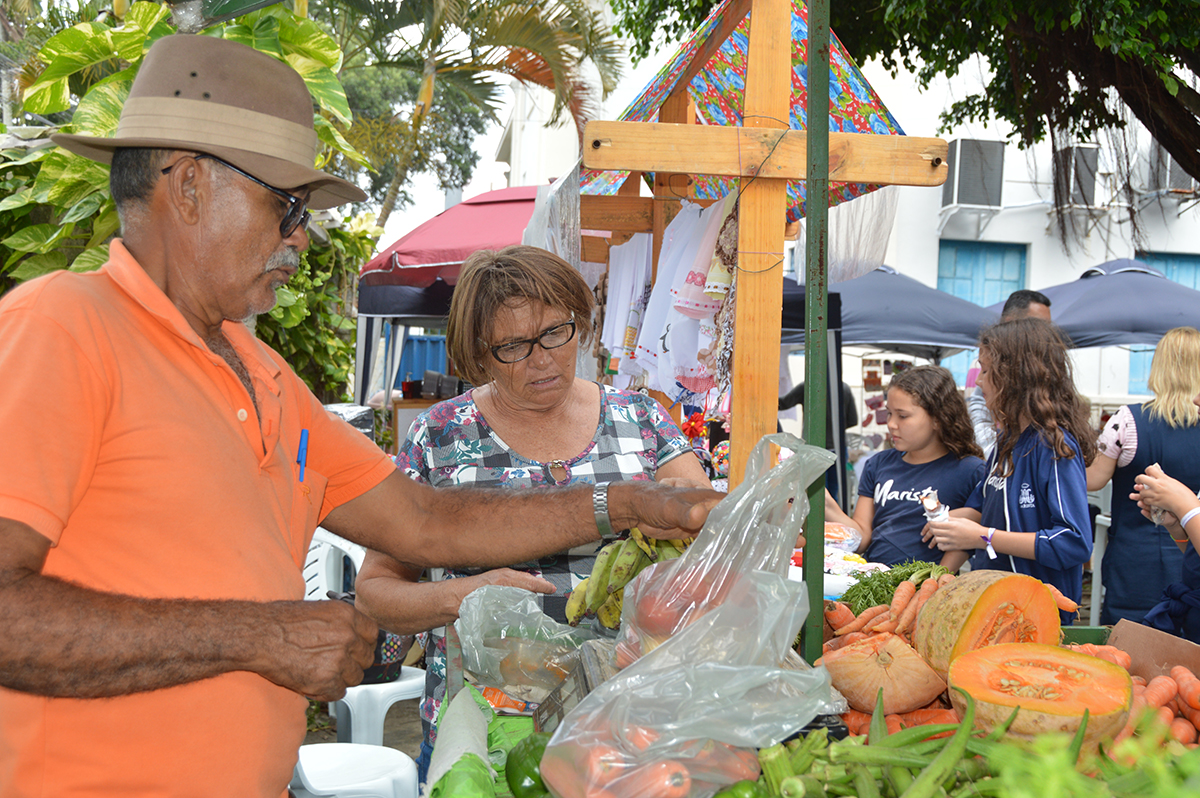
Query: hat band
(198, 124)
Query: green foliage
(308, 324)
(57, 212)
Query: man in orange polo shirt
(163, 471)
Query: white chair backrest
(323, 567)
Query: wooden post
(761, 219)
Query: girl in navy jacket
(1030, 514)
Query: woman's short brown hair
(489, 280)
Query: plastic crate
(1096, 635)
(421, 353)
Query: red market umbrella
(438, 247)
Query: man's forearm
(68, 641)
(63, 640)
(471, 527)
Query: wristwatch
(600, 507)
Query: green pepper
(746, 788)
(522, 770)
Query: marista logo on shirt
(1026, 498)
(884, 494)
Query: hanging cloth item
(681, 240)
(688, 291)
(629, 277)
(724, 260)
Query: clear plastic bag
(686, 718)
(509, 643)
(753, 529)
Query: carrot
(1193, 715)
(1166, 716)
(882, 623)
(1135, 711)
(855, 720)
(1160, 690)
(838, 614)
(1189, 685)
(928, 588)
(945, 579)
(861, 621)
(924, 717)
(839, 642)
(904, 594)
(1139, 680)
(893, 723)
(1113, 654)
(1065, 604)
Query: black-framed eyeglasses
(553, 338)
(297, 209)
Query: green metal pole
(816, 320)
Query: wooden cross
(764, 154)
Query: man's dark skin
(210, 240)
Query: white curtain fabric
(859, 231)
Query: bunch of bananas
(601, 594)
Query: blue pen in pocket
(302, 456)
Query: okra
(776, 766)
(1077, 740)
(877, 732)
(801, 787)
(1003, 728)
(900, 778)
(915, 734)
(865, 785)
(927, 782)
(870, 755)
(804, 755)
(982, 788)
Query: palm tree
(465, 45)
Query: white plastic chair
(366, 704)
(349, 770)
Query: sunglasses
(297, 209)
(553, 338)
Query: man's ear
(181, 189)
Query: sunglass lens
(297, 216)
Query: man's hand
(317, 648)
(660, 510)
(500, 576)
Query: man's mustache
(285, 258)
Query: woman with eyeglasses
(517, 319)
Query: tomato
(522, 770)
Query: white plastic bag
(686, 719)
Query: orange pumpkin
(1052, 686)
(885, 661)
(984, 608)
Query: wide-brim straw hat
(205, 94)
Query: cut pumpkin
(1052, 686)
(886, 662)
(984, 608)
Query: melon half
(1051, 685)
(984, 608)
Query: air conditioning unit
(1165, 174)
(1075, 175)
(976, 173)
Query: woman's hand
(953, 534)
(1155, 489)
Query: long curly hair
(1032, 383)
(934, 391)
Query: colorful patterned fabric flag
(718, 91)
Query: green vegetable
(803, 753)
(776, 766)
(746, 788)
(801, 787)
(927, 784)
(865, 784)
(878, 731)
(522, 770)
(878, 587)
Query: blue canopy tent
(1120, 302)
(892, 312)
